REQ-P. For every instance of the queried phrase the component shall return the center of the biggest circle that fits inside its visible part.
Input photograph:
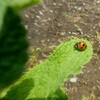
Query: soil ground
(57, 21)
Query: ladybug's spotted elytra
(80, 45)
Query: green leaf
(13, 48)
(16, 5)
(13, 42)
(48, 76)
(20, 4)
(59, 94)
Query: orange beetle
(80, 45)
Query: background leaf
(16, 5)
(13, 42)
(13, 50)
(21, 4)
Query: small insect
(80, 45)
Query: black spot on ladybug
(81, 47)
(83, 44)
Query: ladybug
(80, 45)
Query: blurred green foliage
(13, 48)
(13, 42)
